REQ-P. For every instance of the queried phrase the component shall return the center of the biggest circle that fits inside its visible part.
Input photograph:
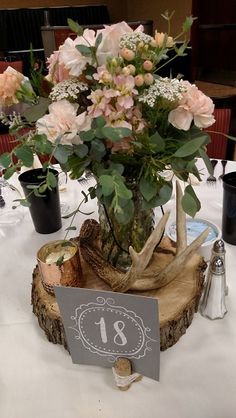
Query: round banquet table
(38, 379)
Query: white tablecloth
(38, 379)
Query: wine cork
(122, 371)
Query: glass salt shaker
(213, 302)
(219, 251)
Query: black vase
(45, 211)
(229, 208)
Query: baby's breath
(131, 40)
(163, 88)
(68, 89)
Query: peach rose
(10, 82)
(194, 106)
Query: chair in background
(213, 69)
(54, 36)
(17, 65)
(218, 146)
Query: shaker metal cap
(217, 265)
(219, 246)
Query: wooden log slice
(178, 301)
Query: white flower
(62, 122)
(70, 56)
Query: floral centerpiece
(103, 108)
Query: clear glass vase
(116, 238)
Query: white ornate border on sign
(108, 305)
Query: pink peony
(10, 82)
(63, 122)
(194, 106)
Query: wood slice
(178, 301)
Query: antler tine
(172, 269)
(181, 233)
(143, 257)
(140, 260)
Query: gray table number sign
(102, 326)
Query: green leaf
(35, 112)
(42, 188)
(62, 153)
(75, 27)
(190, 202)
(9, 172)
(206, 160)
(5, 159)
(158, 141)
(116, 134)
(92, 192)
(81, 150)
(25, 203)
(190, 147)
(42, 145)
(51, 179)
(120, 188)
(147, 188)
(99, 122)
(97, 150)
(25, 154)
(107, 184)
(188, 23)
(116, 167)
(163, 197)
(98, 40)
(84, 50)
(70, 228)
(125, 215)
(87, 135)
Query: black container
(229, 208)
(45, 211)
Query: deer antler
(144, 273)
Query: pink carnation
(57, 71)
(194, 106)
(10, 82)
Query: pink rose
(10, 82)
(109, 47)
(57, 71)
(194, 106)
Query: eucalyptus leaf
(158, 142)
(51, 179)
(75, 27)
(87, 135)
(125, 215)
(25, 154)
(9, 172)
(98, 40)
(107, 184)
(191, 146)
(97, 150)
(190, 202)
(5, 159)
(81, 150)
(115, 134)
(84, 50)
(148, 188)
(35, 112)
(62, 153)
